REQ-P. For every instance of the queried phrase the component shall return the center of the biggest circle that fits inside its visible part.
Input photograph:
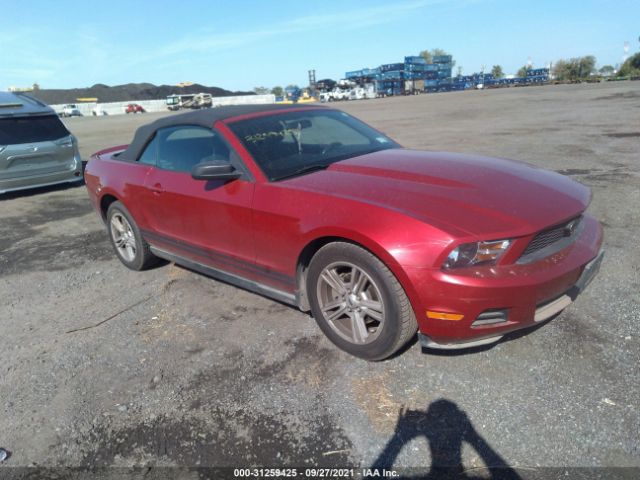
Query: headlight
(476, 253)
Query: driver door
(205, 221)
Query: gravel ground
(107, 367)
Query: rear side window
(31, 129)
(181, 148)
(150, 153)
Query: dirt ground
(102, 366)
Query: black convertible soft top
(205, 118)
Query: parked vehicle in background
(134, 108)
(362, 93)
(202, 100)
(413, 87)
(294, 94)
(335, 95)
(98, 111)
(36, 149)
(70, 110)
(193, 101)
(176, 102)
(312, 207)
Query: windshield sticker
(259, 137)
(382, 140)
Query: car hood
(463, 194)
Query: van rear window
(14, 130)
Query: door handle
(156, 188)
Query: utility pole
(312, 82)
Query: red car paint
(409, 208)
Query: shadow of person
(445, 427)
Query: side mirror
(215, 170)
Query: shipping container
(415, 60)
(442, 59)
(391, 67)
(393, 75)
(413, 74)
(370, 71)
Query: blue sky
(242, 44)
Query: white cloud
(345, 20)
(94, 55)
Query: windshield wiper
(306, 169)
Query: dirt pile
(123, 93)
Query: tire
(127, 241)
(370, 297)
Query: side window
(181, 148)
(150, 152)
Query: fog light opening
(490, 317)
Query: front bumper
(527, 294)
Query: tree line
(277, 91)
(582, 68)
(572, 69)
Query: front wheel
(358, 303)
(132, 250)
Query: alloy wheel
(351, 302)
(123, 237)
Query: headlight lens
(476, 253)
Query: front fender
(324, 235)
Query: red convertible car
(312, 207)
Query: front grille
(552, 235)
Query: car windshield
(294, 143)
(42, 128)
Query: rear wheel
(358, 303)
(132, 250)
